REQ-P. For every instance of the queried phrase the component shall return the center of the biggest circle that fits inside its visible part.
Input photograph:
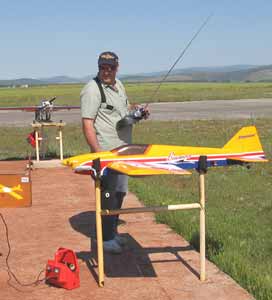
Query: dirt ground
(156, 263)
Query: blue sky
(49, 38)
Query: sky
(51, 38)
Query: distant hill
(60, 79)
(21, 81)
(236, 73)
(244, 73)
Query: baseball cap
(108, 58)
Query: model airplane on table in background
(143, 160)
(43, 111)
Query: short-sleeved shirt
(106, 115)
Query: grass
(239, 205)
(68, 94)
(177, 92)
(14, 143)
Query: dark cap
(108, 58)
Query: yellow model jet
(143, 160)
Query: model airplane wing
(34, 108)
(135, 169)
(24, 108)
(65, 107)
(144, 169)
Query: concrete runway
(195, 110)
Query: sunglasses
(108, 68)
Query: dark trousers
(110, 199)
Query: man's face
(107, 73)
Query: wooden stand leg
(60, 143)
(99, 234)
(202, 226)
(37, 145)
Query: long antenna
(181, 55)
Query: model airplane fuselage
(43, 111)
(143, 160)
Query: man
(103, 104)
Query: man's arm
(90, 134)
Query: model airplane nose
(66, 162)
(70, 162)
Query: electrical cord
(11, 274)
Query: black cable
(10, 272)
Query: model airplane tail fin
(245, 140)
(52, 100)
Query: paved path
(216, 109)
(156, 264)
(195, 110)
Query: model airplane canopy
(143, 160)
(42, 111)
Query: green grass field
(140, 93)
(239, 202)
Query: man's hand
(145, 111)
(142, 108)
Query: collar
(113, 87)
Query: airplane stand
(39, 127)
(202, 169)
